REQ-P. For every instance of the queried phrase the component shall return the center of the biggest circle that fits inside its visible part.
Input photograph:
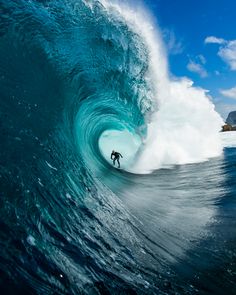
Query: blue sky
(200, 37)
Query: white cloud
(197, 68)
(228, 54)
(227, 50)
(231, 93)
(214, 40)
(202, 59)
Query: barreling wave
(78, 79)
(113, 68)
(166, 121)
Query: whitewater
(77, 80)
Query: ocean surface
(77, 80)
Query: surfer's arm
(121, 155)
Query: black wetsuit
(116, 158)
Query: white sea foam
(228, 138)
(185, 128)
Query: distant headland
(230, 123)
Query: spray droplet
(31, 240)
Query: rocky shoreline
(230, 123)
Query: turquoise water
(76, 82)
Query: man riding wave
(115, 156)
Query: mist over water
(79, 79)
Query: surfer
(116, 157)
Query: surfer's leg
(114, 161)
(118, 162)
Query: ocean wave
(78, 79)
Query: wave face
(78, 79)
(168, 121)
(113, 76)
